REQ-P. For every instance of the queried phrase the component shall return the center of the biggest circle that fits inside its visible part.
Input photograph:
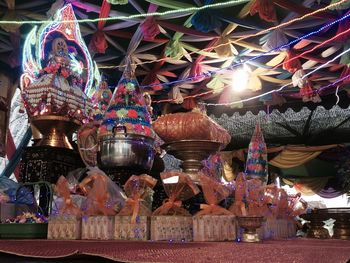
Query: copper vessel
(56, 131)
(250, 224)
(192, 153)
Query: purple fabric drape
(335, 185)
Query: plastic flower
(132, 113)
(122, 113)
(138, 128)
(65, 73)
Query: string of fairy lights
(281, 47)
(282, 87)
(130, 17)
(231, 67)
(240, 38)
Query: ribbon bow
(212, 209)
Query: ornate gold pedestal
(192, 153)
(55, 130)
(250, 224)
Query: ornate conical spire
(256, 165)
(127, 107)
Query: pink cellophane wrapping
(214, 192)
(68, 207)
(213, 223)
(66, 224)
(179, 187)
(104, 197)
(133, 221)
(171, 221)
(135, 189)
(190, 126)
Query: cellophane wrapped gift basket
(213, 222)
(171, 221)
(104, 200)
(66, 222)
(133, 221)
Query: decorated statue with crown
(57, 79)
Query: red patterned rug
(296, 250)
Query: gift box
(214, 228)
(213, 223)
(277, 229)
(171, 221)
(7, 211)
(133, 220)
(126, 230)
(97, 227)
(64, 227)
(175, 228)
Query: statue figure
(64, 63)
(59, 52)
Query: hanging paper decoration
(216, 84)
(298, 78)
(205, 20)
(306, 90)
(345, 75)
(127, 108)
(197, 70)
(98, 43)
(276, 39)
(256, 165)
(342, 6)
(175, 94)
(265, 9)
(309, 94)
(175, 49)
(149, 28)
(224, 48)
(291, 63)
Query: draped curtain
(292, 156)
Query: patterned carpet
(297, 250)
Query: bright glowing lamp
(240, 78)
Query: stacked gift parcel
(171, 221)
(133, 221)
(213, 222)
